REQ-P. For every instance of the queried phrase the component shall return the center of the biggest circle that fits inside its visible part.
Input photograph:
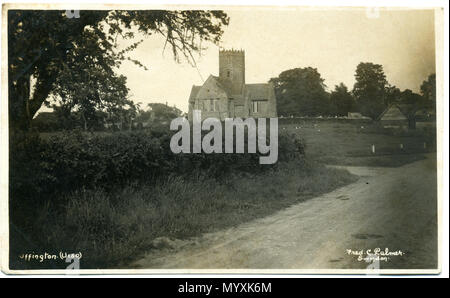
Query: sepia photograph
(222, 139)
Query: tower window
(256, 106)
(212, 105)
(216, 105)
(228, 73)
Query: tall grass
(350, 144)
(114, 196)
(113, 228)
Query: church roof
(222, 85)
(250, 92)
(257, 91)
(194, 92)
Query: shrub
(111, 229)
(75, 160)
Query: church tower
(232, 70)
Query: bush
(111, 229)
(75, 160)
(107, 193)
(26, 176)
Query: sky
(332, 40)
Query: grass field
(351, 144)
(112, 229)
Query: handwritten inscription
(41, 257)
(376, 254)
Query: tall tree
(301, 92)
(163, 112)
(407, 96)
(428, 90)
(124, 114)
(370, 89)
(89, 91)
(393, 94)
(411, 103)
(342, 100)
(43, 44)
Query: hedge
(74, 160)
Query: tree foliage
(428, 90)
(67, 56)
(163, 112)
(301, 92)
(370, 89)
(342, 100)
(392, 94)
(412, 102)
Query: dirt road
(393, 208)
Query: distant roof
(406, 108)
(394, 112)
(355, 115)
(258, 91)
(194, 92)
(251, 91)
(44, 115)
(222, 85)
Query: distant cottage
(353, 115)
(227, 96)
(395, 116)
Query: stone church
(228, 96)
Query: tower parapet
(232, 69)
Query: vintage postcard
(221, 139)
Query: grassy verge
(349, 144)
(111, 229)
(396, 160)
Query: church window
(216, 105)
(212, 105)
(256, 106)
